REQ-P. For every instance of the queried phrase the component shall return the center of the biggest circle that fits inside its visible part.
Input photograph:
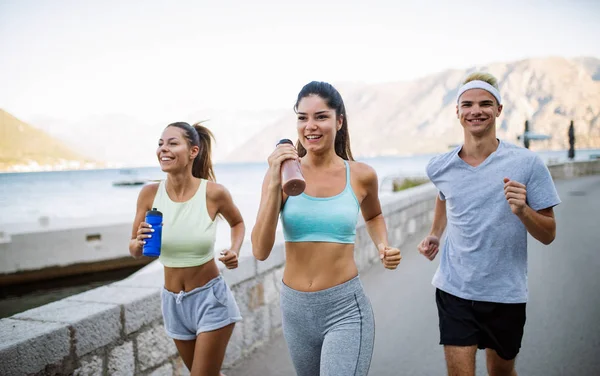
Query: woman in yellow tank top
(198, 307)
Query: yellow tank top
(188, 233)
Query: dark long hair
(199, 135)
(334, 101)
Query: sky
(155, 59)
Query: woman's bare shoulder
(216, 191)
(147, 195)
(149, 190)
(363, 172)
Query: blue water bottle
(152, 246)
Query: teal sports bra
(321, 219)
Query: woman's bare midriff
(187, 279)
(314, 266)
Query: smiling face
(477, 111)
(174, 152)
(317, 124)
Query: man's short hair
(482, 76)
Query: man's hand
(429, 247)
(516, 195)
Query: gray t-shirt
(484, 251)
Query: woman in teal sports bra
(199, 310)
(328, 322)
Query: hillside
(419, 116)
(133, 141)
(23, 147)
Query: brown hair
(334, 100)
(199, 135)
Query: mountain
(415, 117)
(124, 140)
(591, 65)
(232, 128)
(23, 147)
(118, 139)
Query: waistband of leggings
(181, 294)
(323, 296)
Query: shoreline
(96, 166)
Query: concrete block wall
(29, 249)
(574, 169)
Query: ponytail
(203, 167)
(199, 135)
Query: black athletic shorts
(497, 326)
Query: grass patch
(406, 183)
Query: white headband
(479, 85)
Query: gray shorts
(203, 309)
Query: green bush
(402, 184)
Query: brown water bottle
(292, 181)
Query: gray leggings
(329, 332)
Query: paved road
(562, 334)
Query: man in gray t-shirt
(491, 193)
